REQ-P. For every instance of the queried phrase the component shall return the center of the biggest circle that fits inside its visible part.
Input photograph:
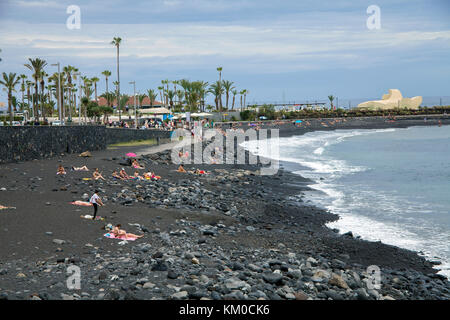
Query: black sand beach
(231, 234)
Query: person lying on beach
(151, 176)
(181, 169)
(200, 171)
(97, 175)
(123, 174)
(3, 207)
(136, 176)
(136, 164)
(83, 168)
(118, 231)
(61, 170)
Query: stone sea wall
(28, 142)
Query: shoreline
(232, 234)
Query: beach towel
(111, 235)
(87, 179)
(88, 216)
(81, 203)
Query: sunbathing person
(136, 165)
(200, 171)
(181, 169)
(83, 168)
(120, 232)
(97, 175)
(116, 175)
(61, 170)
(124, 175)
(136, 176)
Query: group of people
(96, 175)
(197, 171)
(121, 175)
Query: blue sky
(291, 49)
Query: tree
(22, 89)
(152, 96)
(220, 85)
(141, 98)
(234, 92)
(94, 80)
(116, 42)
(37, 65)
(69, 72)
(9, 82)
(123, 101)
(216, 89)
(107, 74)
(170, 96)
(42, 76)
(109, 96)
(84, 103)
(228, 86)
(331, 98)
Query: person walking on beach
(95, 200)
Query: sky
(284, 50)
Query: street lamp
(135, 112)
(59, 93)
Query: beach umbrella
(131, 155)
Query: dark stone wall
(116, 135)
(28, 142)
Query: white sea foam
(390, 222)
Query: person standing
(95, 200)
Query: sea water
(391, 185)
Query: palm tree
(234, 92)
(69, 72)
(116, 42)
(243, 93)
(228, 86)
(180, 95)
(141, 98)
(10, 81)
(152, 96)
(245, 96)
(170, 95)
(331, 98)
(161, 89)
(94, 80)
(216, 89)
(123, 101)
(109, 96)
(107, 74)
(22, 89)
(37, 65)
(220, 85)
(42, 76)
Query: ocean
(391, 185)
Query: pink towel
(121, 237)
(81, 203)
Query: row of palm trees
(46, 90)
(177, 95)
